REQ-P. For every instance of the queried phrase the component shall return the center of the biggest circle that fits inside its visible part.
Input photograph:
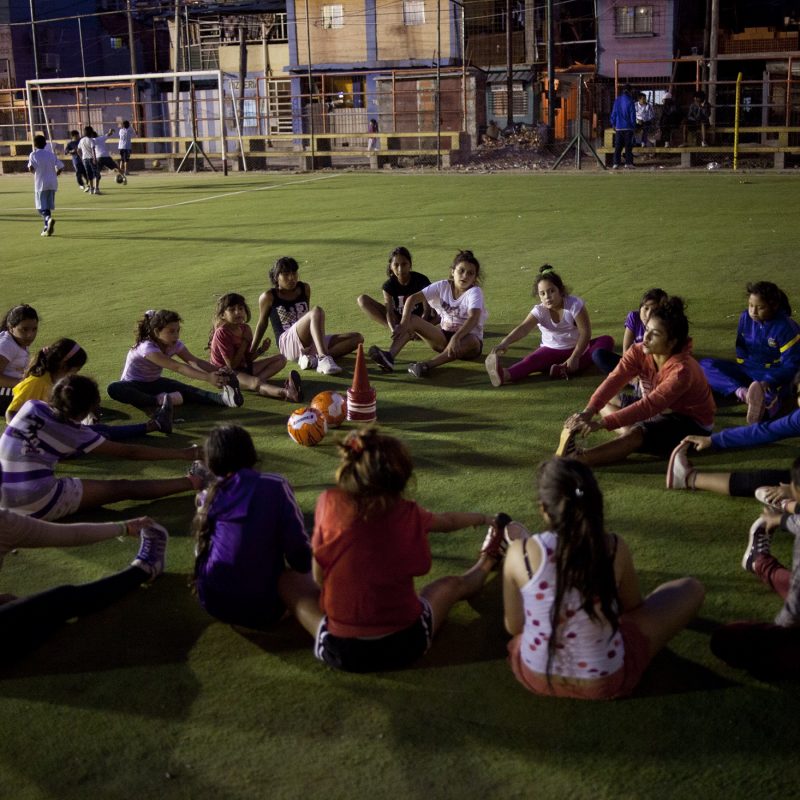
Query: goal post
(57, 105)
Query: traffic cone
(361, 397)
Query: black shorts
(124, 155)
(745, 483)
(107, 162)
(663, 433)
(393, 651)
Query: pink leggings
(541, 359)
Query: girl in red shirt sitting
(369, 544)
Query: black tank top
(284, 313)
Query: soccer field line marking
(196, 199)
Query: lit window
(413, 12)
(633, 19)
(332, 16)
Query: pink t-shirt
(139, 368)
(225, 343)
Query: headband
(74, 351)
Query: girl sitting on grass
(248, 527)
(676, 400)
(767, 354)
(369, 544)
(402, 282)
(299, 328)
(17, 332)
(42, 434)
(572, 601)
(66, 357)
(158, 347)
(230, 343)
(459, 303)
(567, 344)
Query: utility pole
(509, 68)
(33, 39)
(551, 73)
(712, 55)
(131, 40)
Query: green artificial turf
(153, 698)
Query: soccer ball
(332, 406)
(119, 178)
(307, 426)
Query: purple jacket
(256, 527)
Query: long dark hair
(672, 312)
(572, 500)
(772, 295)
(228, 449)
(152, 322)
(17, 314)
(63, 354)
(74, 397)
(398, 251)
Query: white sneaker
(86, 189)
(307, 361)
(152, 550)
(327, 366)
(679, 468)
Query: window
(332, 16)
(116, 43)
(633, 19)
(500, 102)
(413, 12)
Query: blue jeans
(143, 394)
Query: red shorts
(620, 684)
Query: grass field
(153, 698)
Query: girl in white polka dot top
(572, 601)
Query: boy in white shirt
(125, 135)
(45, 168)
(103, 157)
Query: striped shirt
(35, 441)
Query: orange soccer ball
(332, 406)
(307, 426)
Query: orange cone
(361, 397)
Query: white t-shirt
(46, 166)
(16, 354)
(124, 135)
(455, 311)
(561, 335)
(100, 146)
(86, 148)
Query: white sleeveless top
(585, 648)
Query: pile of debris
(522, 148)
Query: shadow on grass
(151, 627)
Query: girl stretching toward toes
(26, 622)
(676, 401)
(66, 357)
(567, 344)
(369, 543)
(42, 434)
(402, 282)
(459, 304)
(767, 354)
(230, 343)
(299, 328)
(572, 601)
(248, 527)
(158, 347)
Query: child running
(572, 601)
(567, 344)
(26, 622)
(248, 528)
(17, 333)
(125, 136)
(459, 303)
(402, 282)
(767, 354)
(158, 347)
(66, 357)
(676, 401)
(42, 434)
(299, 328)
(769, 650)
(230, 343)
(46, 168)
(369, 543)
(103, 158)
(86, 151)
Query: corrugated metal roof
(517, 75)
